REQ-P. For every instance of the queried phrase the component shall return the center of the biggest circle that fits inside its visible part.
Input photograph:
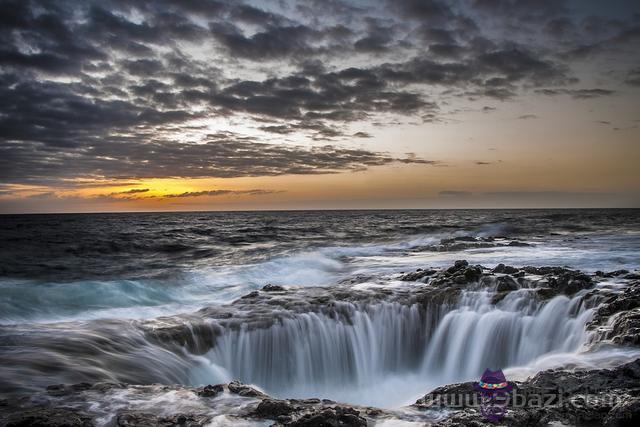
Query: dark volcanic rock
(457, 266)
(142, 419)
(339, 416)
(244, 390)
(63, 389)
(210, 390)
(624, 414)
(417, 275)
(272, 409)
(272, 288)
(618, 319)
(49, 417)
(597, 397)
(507, 269)
(506, 284)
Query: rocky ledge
(608, 397)
(84, 405)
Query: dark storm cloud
(633, 77)
(273, 43)
(222, 155)
(107, 89)
(577, 93)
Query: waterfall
(349, 353)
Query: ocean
(99, 297)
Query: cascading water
(387, 353)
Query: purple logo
(494, 394)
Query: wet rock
(210, 390)
(611, 273)
(506, 284)
(498, 297)
(569, 283)
(543, 271)
(49, 417)
(625, 329)
(272, 288)
(624, 414)
(63, 389)
(339, 416)
(251, 295)
(518, 244)
(472, 274)
(143, 419)
(546, 293)
(457, 266)
(240, 389)
(138, 419)
(419, 274)
(506, 269)
(272, 409)
(598, 397)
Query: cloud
(527, 117)
(577, 93)
(221, 155)
(633, 77)
(131, 191)
(117, 90)
(361, 135)
(483, 163)
(214, 193)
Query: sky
(151, 105)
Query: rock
(240, 389)
(570, 282)
(137, 419)
(612, 273)
(252, 294)
(272, 409)
(457, 266)
(49, 417)
(506, 284)
(625, 329)
(612, 399)
(63, 389)
(624, 414)
(472, 274)
(143, 419)
(546, 293)
(499, 268)
(339, 416)
(272, 288)
(417, 275)
(518, 244)
(210, 390)
(506, 269)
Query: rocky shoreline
(615, 296)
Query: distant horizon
(327, 210)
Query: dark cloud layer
(109, 89)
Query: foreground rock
(609, 397)
(223, 404)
